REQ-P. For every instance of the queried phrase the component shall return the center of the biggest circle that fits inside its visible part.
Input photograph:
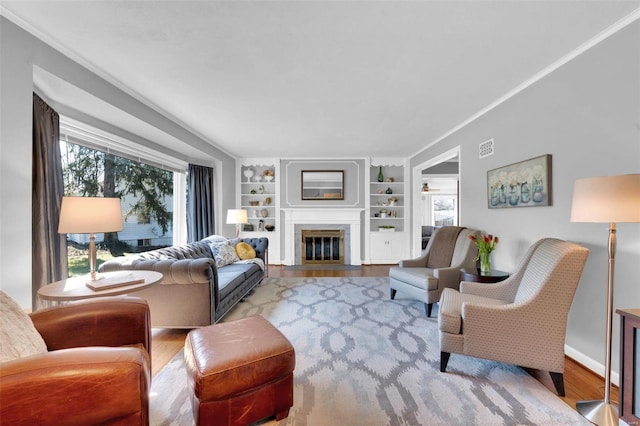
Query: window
(151, 187)
(145, 191)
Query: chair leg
(444, 360)
(428, 307)
(558, 382)
(393, 293)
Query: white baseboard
(590, 363)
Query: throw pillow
(18, 336)
(224, 253)
(245, 251)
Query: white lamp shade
(86, 215)
(236, 216)
(608, 199)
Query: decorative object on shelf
(380, 175)
(257, 178)
(389, 191)
(253, 191)
(268, 175)
(392, 201)
(248, 173)
(267, 200)
(261, 225)
(261, 189)
(269, 227)
(386, 228)
(383, 213)
(523, 184)
(90, 215)
(247, 227)
(425, 187)
(390, 179)
(253, 203)
(608, 199)
(264, 212)
(485, 244)
(237, 217)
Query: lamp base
(598, 412)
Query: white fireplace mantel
(323, 216)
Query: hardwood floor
(580, 383)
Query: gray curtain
(200, 217)
(48, 248)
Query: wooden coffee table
(75, 288)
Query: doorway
(436, 184)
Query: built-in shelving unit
(260, 197)
(388, 242)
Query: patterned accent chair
(424, 278)
(521, 320)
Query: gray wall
(19, 53)
(353, 182)
(585, 114)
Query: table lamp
(237, 217)
(608, 199)
(90, 215)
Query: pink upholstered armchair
(521, 320)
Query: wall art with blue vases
(523, 184)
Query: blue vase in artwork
(538, 190)
(525, 193)
(514, 197)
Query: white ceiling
(311, 78)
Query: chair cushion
(450, 314)
(421, 278)
(18, 336)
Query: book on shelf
(113, 281)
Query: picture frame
(322, 184)
(523, 184)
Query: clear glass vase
(485, 263)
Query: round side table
(75, 288)
(475, 275)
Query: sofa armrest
(76, 386)
(107, 321)
(174, 271)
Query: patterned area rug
(362, 359)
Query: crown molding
(584, 47)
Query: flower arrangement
(485, 244)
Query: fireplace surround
(296, 219)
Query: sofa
(201, 281)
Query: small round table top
(474, 274)
(76, 288)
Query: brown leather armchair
(97, 370)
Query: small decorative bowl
(268, 178)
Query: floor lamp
(90, 215)
(237, 217)
(609, 199)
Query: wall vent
(486, 148)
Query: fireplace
(346, 219)
(322, 246)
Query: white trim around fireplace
(310, 216)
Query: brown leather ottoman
(240, 372)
